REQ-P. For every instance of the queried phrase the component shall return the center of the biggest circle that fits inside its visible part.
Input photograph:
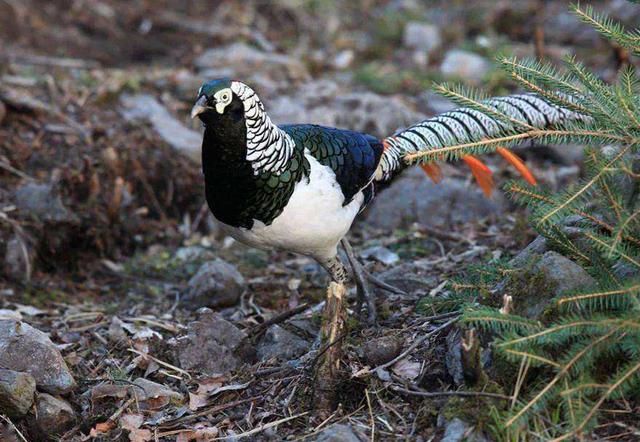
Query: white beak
(199, 107)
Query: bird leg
(363, 278)
(362, 286)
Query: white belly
(313, 222)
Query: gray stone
(281, 344)
(16, 392)
(216, 284)
(209, 345)
(422, 36)
(381, 350)
(566, 274)
(337, 433)
(457, 430)
(194, 253)
(43, 202)
(381, 254)
(18, 259)
(53, 415)
(146, 107)
(415, 198)
(24, 348)
(464, 65)
(325, 103)
(552, 275)
(410, 277)
(433, 103)
(244, 60)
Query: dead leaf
(140, 435)
(101, 428)
(131, 421)
(197, 400)
(407, 369)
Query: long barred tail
(466, 125)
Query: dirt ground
(104, 228)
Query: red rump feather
(482, 174)
(517, 162)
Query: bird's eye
(225, 97)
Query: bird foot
(364, 280)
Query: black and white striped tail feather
(467, 125)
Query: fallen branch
(435, 394)
(416, 344)
(328, 369)
(279, 318)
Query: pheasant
(298, 188)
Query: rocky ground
(126, 314)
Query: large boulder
(27, 349)
(415, 198)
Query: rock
(566, 274)
(24, 348)
(153, 395)
(185, 141)
(457, 430)
(410, 277)
(216, 284)
(242, 61)
(381, 254)
(18, 259)
(415, 198)
(435, 104)
(423, 36)
(44, 203)
(281, 344)
(16, 392)
(337, 433)
(381, 350)
(323, 102)
(53, 415)
(464, 65)
(551, 276)
(210, 344)
(343, 59)
(194, 253)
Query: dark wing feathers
(353, 156)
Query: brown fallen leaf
(131, 421)
(201, 433)
(140, 435)
(101, 428)
(407, 369)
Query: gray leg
(364, 293)
(336, 269)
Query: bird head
(217, 101)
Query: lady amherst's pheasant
(298, 188)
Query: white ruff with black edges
(268, 147)
(313, 221)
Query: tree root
(328, 367)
